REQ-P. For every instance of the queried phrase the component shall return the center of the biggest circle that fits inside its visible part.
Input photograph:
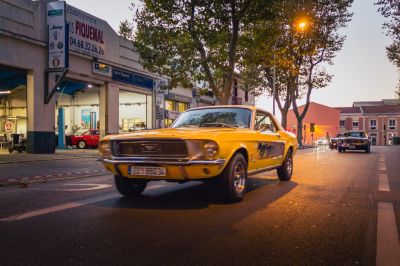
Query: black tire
(340, 150)
(233, 180)
(129, 187)
(285, 171)
(81, 144)
(368, 149)
(10, 149)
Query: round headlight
(105, 148)
(210, 148)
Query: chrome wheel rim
(81, 144)
(289, 165)
(239, 178)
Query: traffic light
(312, 127)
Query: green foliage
(297, 54)
(125, 29)
(195, 42)
(390, 9)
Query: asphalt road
(336, 210)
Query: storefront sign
(58, 35)
(9, 127)
(101, 69)
(86, 32)
(171, 114)
(132, 78)
(178, 98)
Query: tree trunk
(284, 118)
(300, 131)
(223, 97)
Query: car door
(96, 138)
(270, 145)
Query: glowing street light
(300, 26)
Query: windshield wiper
(219, 125)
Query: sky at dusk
(361, 69)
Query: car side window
(264, 123)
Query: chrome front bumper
(118, 161)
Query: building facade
(76, 75)
(380, 119)
(325, 122)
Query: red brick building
(380, 119)
(324, 118)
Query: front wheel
(368, 149)
(81, 144)
(286, 169)
(129, 187)
(233, 180)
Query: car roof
(225, 106)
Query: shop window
(392, 124)
(372, 124)
(182, 107)
(169, 105)
(168, 122)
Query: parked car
(322, 141)
(220, 143)
(88, 138)
(354, 140)
(333, 142)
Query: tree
(195, 41)
(390, 9)
(319, 45)
(125, 29)
(297, 52)
(273, 45)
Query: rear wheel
(286, 169)
(233, 180)
(129, 187)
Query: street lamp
(300, 26)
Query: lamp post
(274, 76)
(300, 26)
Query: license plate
(352, 147)
(147, 171)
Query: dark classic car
(333, 141)
(354, 140)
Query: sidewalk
(15, 157)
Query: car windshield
(355, 134)
(215, 117)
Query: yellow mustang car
(221, 143)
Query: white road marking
(388, 246)
(70, 205)
(382, 166)
(383, 182)
(57, 208)
(90, 187)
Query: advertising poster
(85, 118)
(57, 44)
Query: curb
(25, 181)
(46, 160)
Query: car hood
(179, 133)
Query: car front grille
(353, 141)
(151, 148)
